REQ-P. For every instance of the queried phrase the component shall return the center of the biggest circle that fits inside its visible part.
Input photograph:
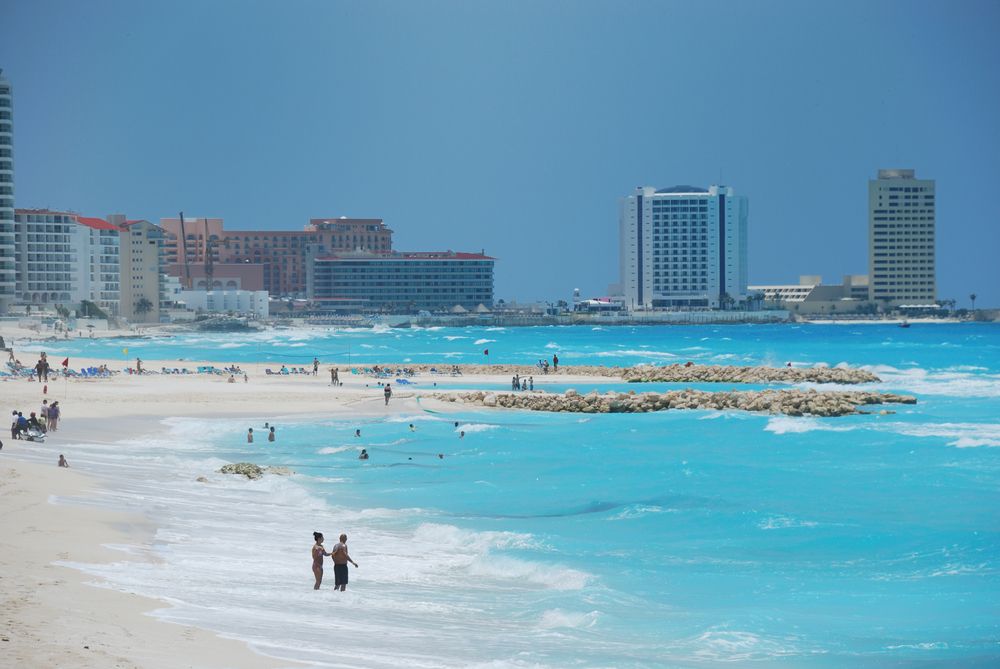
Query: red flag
(66, 362)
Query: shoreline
(161, 331)
(61, 616)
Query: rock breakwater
(677, 373)
(734, 374)
(787, 402)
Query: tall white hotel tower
(683, 247)
(6, 195)
(901, 239)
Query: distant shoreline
(19, 334)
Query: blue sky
(517, 126)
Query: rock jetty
(677, 373)
(734, 374)
(789, 402)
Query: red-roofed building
(401, 282)
(96, 223)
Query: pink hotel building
(271, 260)
(342, 264)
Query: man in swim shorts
(340, 560)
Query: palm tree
(973, 298)
(143, 306)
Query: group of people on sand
(517, 383)
(45, 420)
(340, 558)
(544, 364)
(42, 368)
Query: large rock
(248, 469)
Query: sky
(516, 127)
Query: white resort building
(683, 247)
(901, 223)
(48, 247)
(63, 258)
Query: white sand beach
(54, 615)
(57, 616)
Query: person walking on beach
(318, 553)
(334, 376)
(250, 436)
(43, 414)
(52, 424)
(270, 435)
(340, 560)
(138, 366)
(40, 369)
(315, 366)
(555, 362)
(388, 393)
(531, 383)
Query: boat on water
(904, 324)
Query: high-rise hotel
(901, 239)
(683, 247)
(7, 271)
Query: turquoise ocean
(675, 539)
